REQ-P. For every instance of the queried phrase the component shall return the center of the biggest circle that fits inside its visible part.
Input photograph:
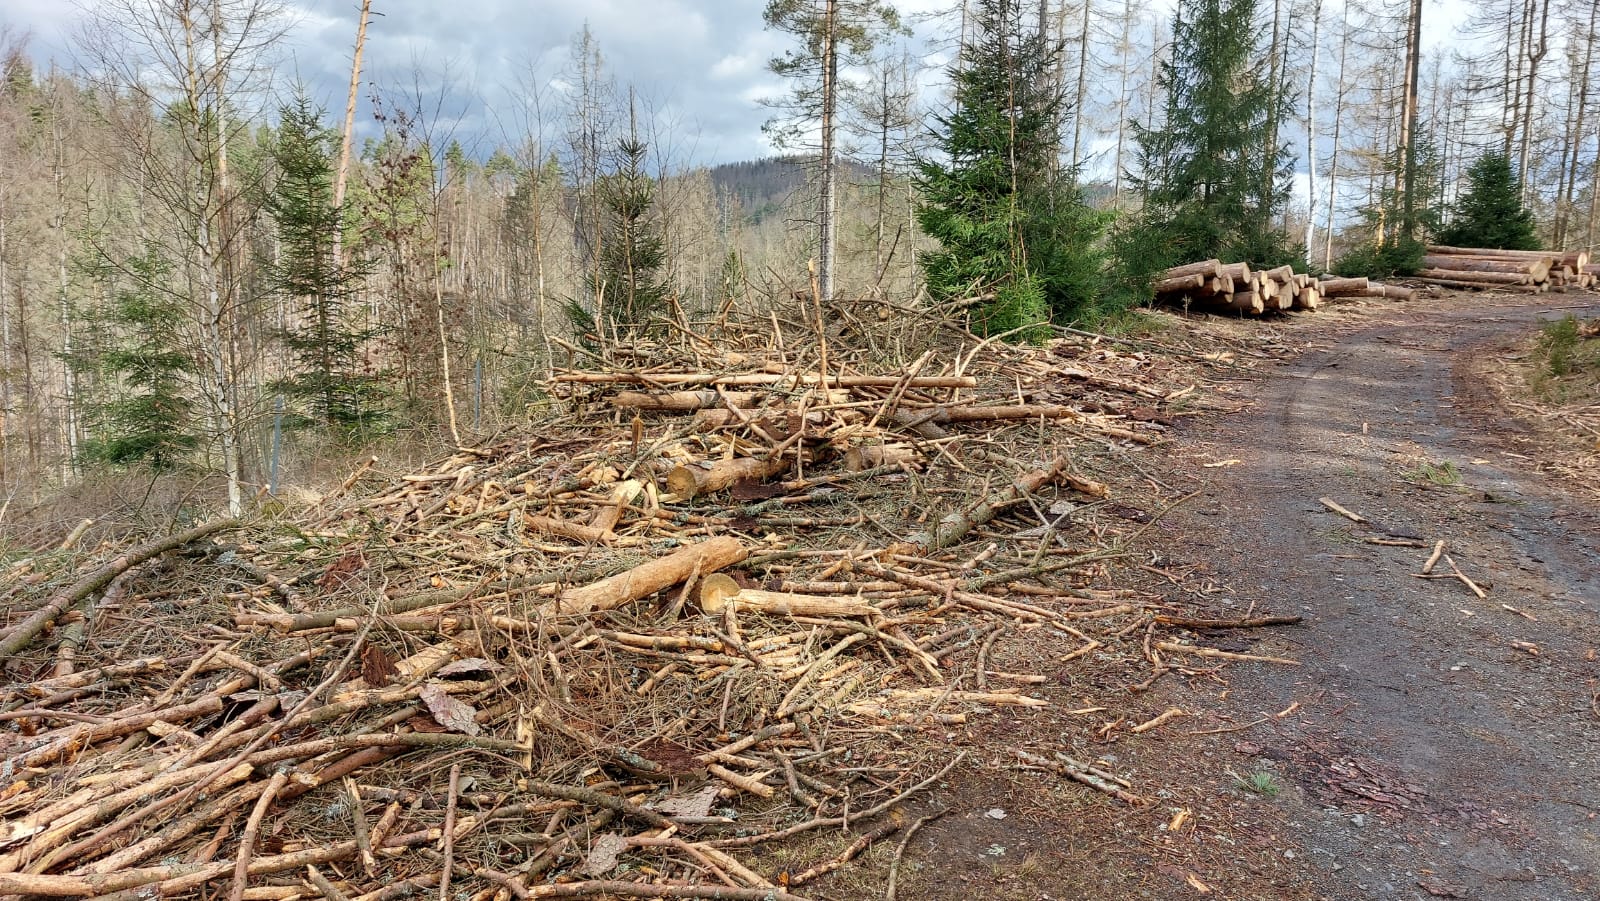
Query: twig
(1433, 559)
(247, 839)
(900, 852)
(621, 889)
(450, 831)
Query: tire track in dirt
(1431, 757)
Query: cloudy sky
(700, 63)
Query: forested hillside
(199, 258)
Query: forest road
(1445, 746)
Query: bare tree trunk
(1338, 122)
(830, 106)
(1083, 77)
(69, 381)
(1124, 53)
(1311, 132)
(1537, 49)
(347, 136)
(5, 335)
(1408, 122)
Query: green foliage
(857, 26)
(1444, 475)
(1211, 187)
(629, 290)
(1566, 362)
(1260, 782)
(330, 379)
(1395, 256)
(1385, 246)
(1137, 254)
(1490, 213)
(1558, 345)
(144, 415)
(1012, 227)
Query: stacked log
(1527, 271)
(1233, 287)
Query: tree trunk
(1338, 123)
(1311, 132)
(347, 136)
(1408, 123)
(1083, 75)
(830, 105)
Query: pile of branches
(705, 606)
(1233, 287)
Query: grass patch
(1565, 363)
(1445, 475)
(1260, 782)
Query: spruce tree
(633, 251)
(328, 379)
(1490, 213)
(142, 413)
(1209, 190)
(1011, 224)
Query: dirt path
(1430, 755)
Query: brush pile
(1216, 286)
(708, 604)
(1526, 271)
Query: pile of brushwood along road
(748, 591)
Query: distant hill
(764, 187)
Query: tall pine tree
(330, 381)
(1209, 189)
(1490, 213)
(1011, 224)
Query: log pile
(721, 601)
(1524, 271)
(1215, 286)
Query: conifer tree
(632, 252)
(144, 414)
(1011, 224)
(1208, 187)
(326, 347)
(1490, 213)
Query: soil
(1431, 744)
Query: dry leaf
(449, 712)
(376, 666)
(469, 665)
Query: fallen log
(1174, 285)
(1473, 285)
(680, 401)
(648, 578)
(1488, 278)
(1537, 270)
(1339, 287)
(762, 378)
(690, 480)
(955, 526)
(1207, 268)
(719, 591)
(26, 631)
